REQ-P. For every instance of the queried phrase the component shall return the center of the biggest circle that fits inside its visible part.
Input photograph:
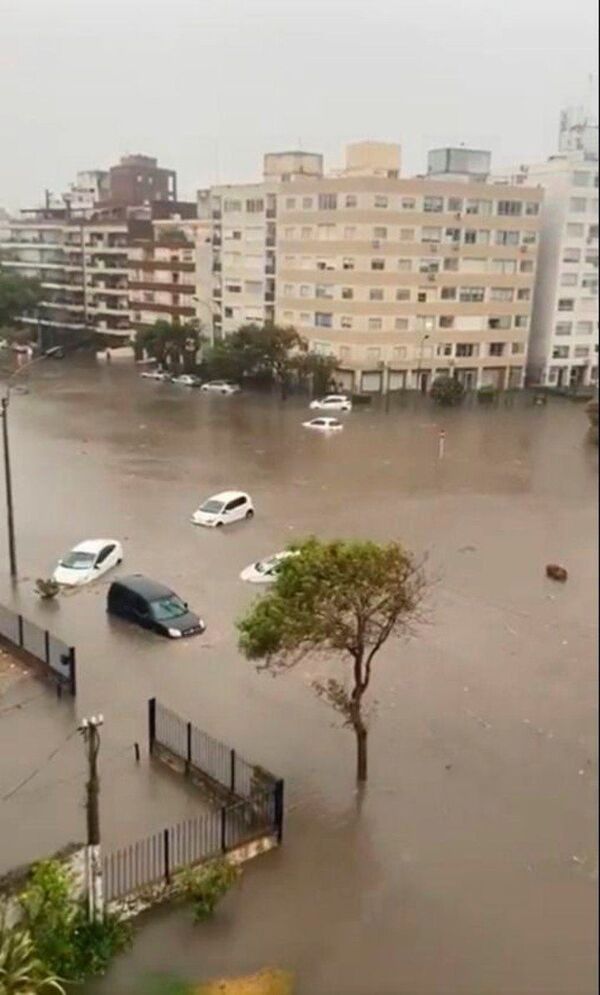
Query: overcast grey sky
(209, 85)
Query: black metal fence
(55, 654)
(201, 753)
(157, 858)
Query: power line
(26, 780)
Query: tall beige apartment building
(399, 279)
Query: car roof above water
(147, 588)
(227, 496)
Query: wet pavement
(470, 865)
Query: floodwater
(469, 867)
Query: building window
(563, 328)
(304, 318)
(502, 294)
(402, 294)
(346, 321)
(407, 234)
(577, 205)
(380, 200)
(380, 232)
(452, 235)
(593, 233)
(148, 297)
(232, 205)
(479, 207)
(378, 264)
(517, 348)
(255, 205)
(444, 349)
(584, 327)
(373, 356)
(306, 233)
(350, 200)
(408, 203)
(233, 288)
(431, 235)
(347, 293)
(504, 266)
(575, 229)
(466, 349)
(376, 294)
(350, 233)
(307, 203)
(581, 179)
(323, 290)
(503, 322)
(471, 295)
(433, 205)
(399, 352)
(446, 321)
(526, 266)
(523, 294)
(560, 352)
(512, 208)
(288, 316)
(507, 238)
(327, 201)
(529, 238)
(425, 323)
(288, 289)
(581, 351)
(470, 236)
(405, 265)
(347, 263)
(374, 324)
(568, 280)
(566, 304)
(305, 290)
(496, 349)
(455, 204)
(290, 203)
(532, 207)
(451, 265)
(590, 282)
(323, 320)
(401, 324)
(448, 293)
(429, 266)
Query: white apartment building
(563, 348)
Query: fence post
(232, 771)
(151, 724)
(20, 621)
(47, 646)
(188, 759)
(224, 829)
(278, 802)
(167, 856)
(72, 671)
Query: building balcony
(66, 304)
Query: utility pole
(10, 519)
(89, 730)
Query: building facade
(138, 179)
(406, 279)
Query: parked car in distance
(332, 402)
(324, 424)
(265, 571)
(221, 387)
(187, 380)
(160, 375)
(87, 561)
(152, 606)
(224, 508)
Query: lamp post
(10, 517)
(420, 360)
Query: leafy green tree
(341, 600)
(447, 391)
(319, 369)
(170, 344)
(21, 970)
(18, 295)
(253, 350)
(206, 885)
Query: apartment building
(82, 266)
(138, 179)
(563, 349)
(405, 279)
(165, 254)
(241, 284)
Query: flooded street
(470, 865)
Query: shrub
(487, 394)
(447, 391)
(21, 970)
(204, 886)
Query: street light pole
(420, 360)
(89, 730)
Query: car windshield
(265, 566)
(212, 507)
(77, 560)
(166, 608)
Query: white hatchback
(87, 561)
(221, 387)
(223, 509)
(265, 571)
(324, 424)
(333, 402)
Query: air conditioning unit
(431, 277)
(458, 215)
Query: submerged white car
(187, 380)
(332, 402)
(159, 375)
(265, 571)
(221, 387)
(324, 424)
(87, 561)
(223, 509)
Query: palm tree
(21, 970)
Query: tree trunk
(361, 752)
